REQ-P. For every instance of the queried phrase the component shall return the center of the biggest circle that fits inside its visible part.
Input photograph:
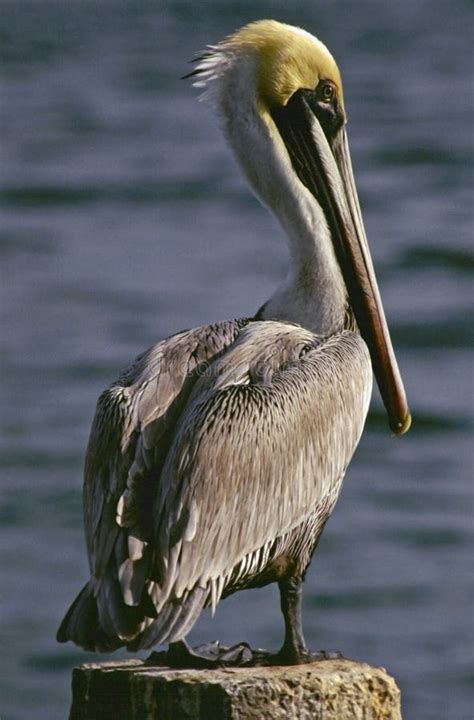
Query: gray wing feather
(192, 476)
(130, 437)
(265, 435)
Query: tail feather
(174, 621)
(190, 610)
(114, 616)
(104, 622)
(81, 625)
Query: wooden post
(322, 690)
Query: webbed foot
(214, 655)
(207, 655)
(301, 656)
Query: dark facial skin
(324, 102)
(292, 121)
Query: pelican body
(217, 457)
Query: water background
(124, 219)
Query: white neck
(313, 294)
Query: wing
(265, 435)
(130, 437)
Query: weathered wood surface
(325, 690)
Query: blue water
(124, 219)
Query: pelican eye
(324, 103)
(326, 91)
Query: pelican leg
(294, 650)
(215, 655)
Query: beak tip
(402, 427)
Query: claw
(328, 655)
(239, 654)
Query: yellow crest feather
(288, 59)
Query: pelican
(216, 458)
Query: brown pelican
(217, 457)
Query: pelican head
(279, 93)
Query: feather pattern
(230, 459)
(195, 433)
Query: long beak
(324, 166)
